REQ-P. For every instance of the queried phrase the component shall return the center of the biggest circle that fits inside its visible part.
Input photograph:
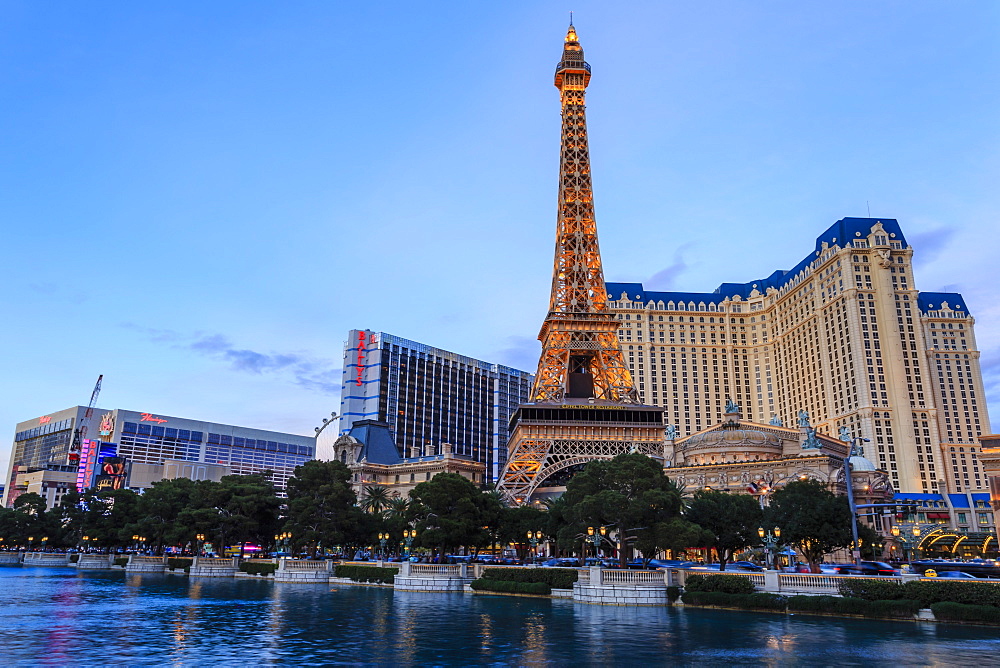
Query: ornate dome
(726, 438)
(862, 464)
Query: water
(59, 616)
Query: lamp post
(849, 483)
(770, 540)
(534, 537)
(382, 538)
(596, 535)
(200, 538)
(907, 538)
(30, 539)
(408, 536)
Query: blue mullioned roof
(376, 441)
(931, 301)
(959, 501)
(841, 232)
(982, 496)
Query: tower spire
(581, 357)
(583, 406)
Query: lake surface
(58, 616)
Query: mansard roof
(932, 301)
(377, 446)
(845, 229)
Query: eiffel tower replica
(584, 403)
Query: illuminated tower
(585, 405)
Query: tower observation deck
(585, 405)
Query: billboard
(112, 473)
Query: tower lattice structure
(584, 402)
(580, 351)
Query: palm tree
(376, 499)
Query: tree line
(640, 509)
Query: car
(867, 568)
(668, 563)
(561, 562)
(959, 575)
(745, 566)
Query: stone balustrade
(214, 567)
(140, 563)
(10, 558)
(95, 562)
(432, 577)
(45, 559)
(615, 586)
(303, 572)
(775, 582)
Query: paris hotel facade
(845, 335)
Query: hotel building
(844, 335)
(146, 447)
(431, 397)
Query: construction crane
(80, 433)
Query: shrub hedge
(121, 561)
(755, 601)
(556, 578)
(73, 558)
(927, 592)
(673, 593)
(897, 608)
(726, 584)
(179, 562)
(510, 586)
(258, 567)
(960, 612)
(365, 573)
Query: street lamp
(849, 483)
(200, 540)
(770, 540)
(907, 538)
(596, 535)
(408, 536)
(30, 539)
(534, 537)
(382, 538)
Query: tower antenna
(571, 17)
(869, 208)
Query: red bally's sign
(362, 351)
(149, 417)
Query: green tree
(676, 534)
(812, 518)
(321, 505)
(515, 523)
(451, 511)
(376, 499)
(160, 508)
(731, 520)
(248, 508)
(629, 493)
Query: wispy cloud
(664, 279)
(521, 352)
(305, 370)
(928, 245)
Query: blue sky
(199, 200)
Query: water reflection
(58, 616)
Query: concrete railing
(10, 557)
(215, 562)
(45, 559)
(438, 570)
(142, 559)
(300, 565)
(629, 577)
(374, 564)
